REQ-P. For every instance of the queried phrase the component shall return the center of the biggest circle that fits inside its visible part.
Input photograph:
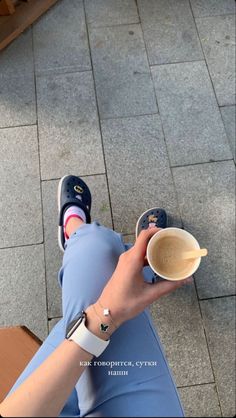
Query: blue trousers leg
(131, 378)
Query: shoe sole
(58, 206)
(136, 228)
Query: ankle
(72, 225)
(74, 217)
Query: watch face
(73, 325)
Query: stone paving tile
(69, 134)
(178, 321)
(122, 75)
(203, 8)
(129, 238)
(17, 90)
(17, 100)
(169, 31)
(17, 58)
(219, 321)
(100, 200)
(191, 119)
(20, 204)
(217, 35)
(53, 256)
(200, 401)
(22, 289)
(52, 322)
(138, 170)
(206, 199)
(111, 12)
(228, 114)
(60, 39)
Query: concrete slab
(17, 89)
(22, 289)
(17, 58)
(228, 114)
(200, 401)
(20, 204)
(129, 238)
(111, 12)
(17, 100)
(207, 204)
(136, 159)
(169, 31)
(53, 256)
(52, 322)
(178, 321)
(202, 8)
(122, 75)
(219, 322)
(138, 170)
(191, 119)
(100, 201)
(69, 134)
(60, 39)
(217, 35)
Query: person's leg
(119, 383)
(89, 261)
(55, 337)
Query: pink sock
(72, 212)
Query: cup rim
(161, 232)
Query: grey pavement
(218, 43)
(228, 115)
(138, 98)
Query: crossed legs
(142, 384)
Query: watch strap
(88, 341)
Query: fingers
(145, 262)
(189, 280)
(142, 240)
(165, 287)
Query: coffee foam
(167, 257)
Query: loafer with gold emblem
(72, 190)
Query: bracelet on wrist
(106, 312)
(104, 327)
(99, 321)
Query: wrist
(116, 315)
(99, 324)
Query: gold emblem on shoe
(78, 189)
(152, 218)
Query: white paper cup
(181, 234)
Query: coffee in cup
(165, 254)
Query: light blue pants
(131, 378)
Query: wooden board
(6, 7)
(25, 14)
(17, 347)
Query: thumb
(141, 243)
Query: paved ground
(137, 99)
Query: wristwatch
(77, 332)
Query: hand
(127, 294)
